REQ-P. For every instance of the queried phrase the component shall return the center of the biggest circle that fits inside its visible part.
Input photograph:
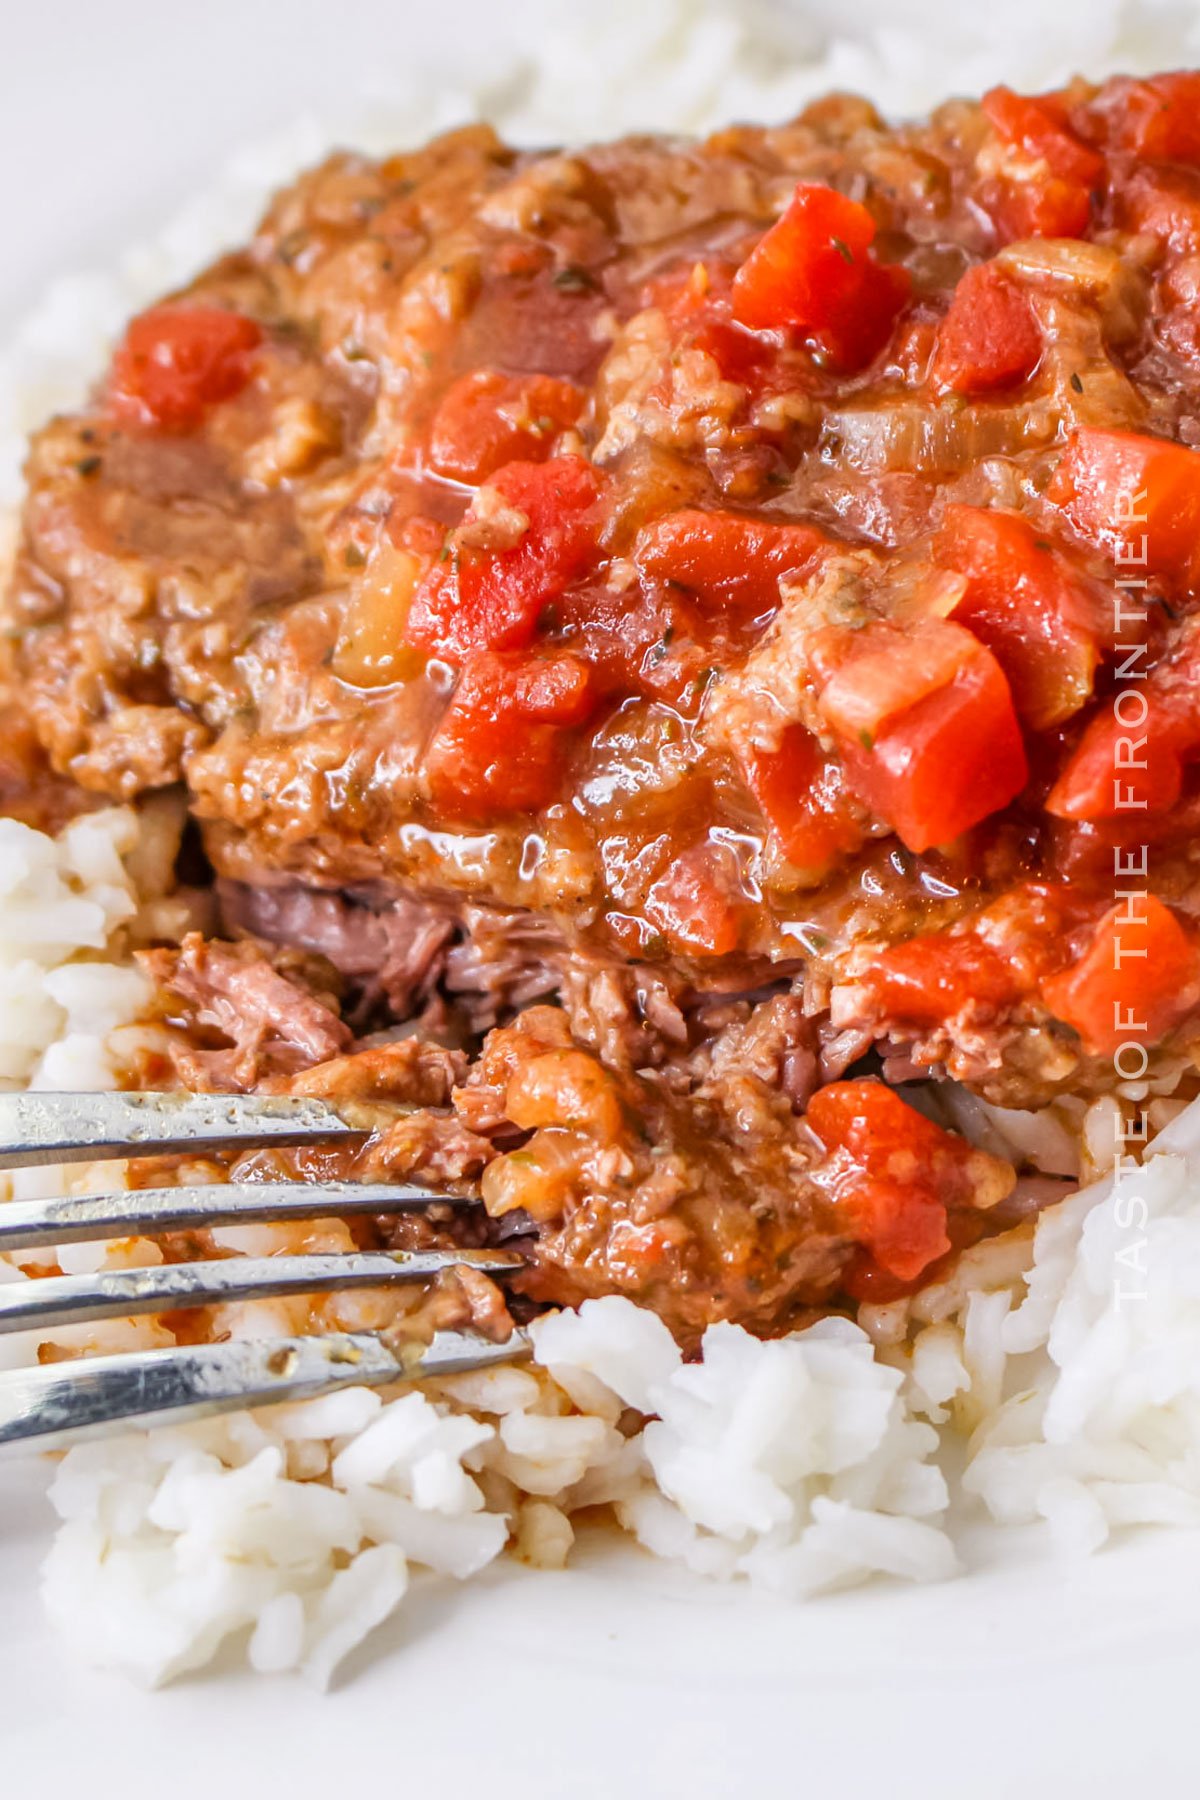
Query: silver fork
(56, 1403)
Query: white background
(112, 111)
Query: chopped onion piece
(371, 650)
(1091, 271)
(936, 441)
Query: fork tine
(173, 1287)
(59, 1128)
(143, 1212)
(61, 1403)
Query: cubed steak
(742, 591)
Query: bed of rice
(1062, 1364)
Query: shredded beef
(245, 1020)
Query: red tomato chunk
(989, 338)
(697, 903)
(922, 983)
(500, 745)
(802, 792)
(731, 563)
(890, 1173)
(1039, 125)
(925, 725)
(177, 361)
(1043, 626)
(488, 419)
(1135, 498)
(1158, 119)
(1164, 204)
(479, 599)
(1135, 978)
(814, 274)
(1049, 192)
(1126, 770)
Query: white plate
(620, 1676)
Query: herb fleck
(843, 250)
(87, 465)
(659, 650)
(291, 246)
(353, 556)
(866, 740)
(574, 280)
(1076, 383)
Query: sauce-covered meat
(686, 569)
(694, 1189)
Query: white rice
(59, 901)
(1066, 1361)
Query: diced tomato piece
(732, 563)
(487, 419)
(556, 690)
(926, 728)
(697, 301)
(663, 646)
(989, 338)
(1122, 771)
(1047, 208)
(803, 795)
(1053, 197)
(813, 273)
(1163, 204)
(891, 1174)
(1135, 498)
(871, 675)
(1158, 119)
(1135, 979)
(499, 747)
(698, 904)
(1043, 626)
(492, 600)
(177, 361)
(921, 982)
(1039, 125)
